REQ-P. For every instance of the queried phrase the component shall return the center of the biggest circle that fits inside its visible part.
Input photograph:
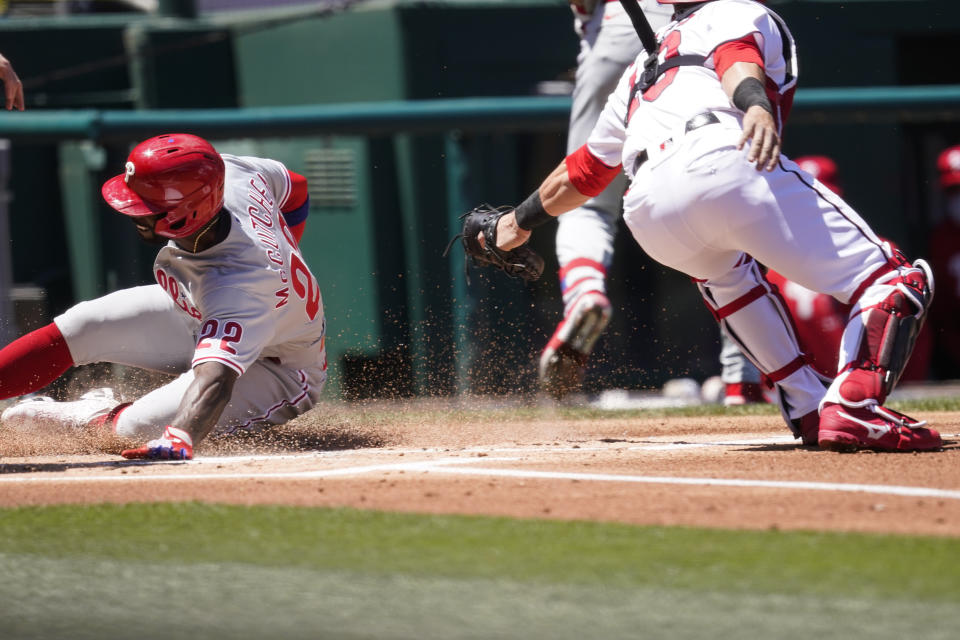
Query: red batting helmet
(949, 165)
(177, 174)
(823, 169)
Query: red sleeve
(746, 50)
(298, 193)
(785, 101)
(743, 50)
(588, 174)
(295, 207)
(297, 230)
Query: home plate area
(653, 471)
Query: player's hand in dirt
(174, 444)
(760, 129)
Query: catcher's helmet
(948, 163)
(177, 174)
(823, 169)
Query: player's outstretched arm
(556, 195)
(744, 82)
(205, 399)
(202, 404)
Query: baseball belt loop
(700, 120)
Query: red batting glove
(174, 444)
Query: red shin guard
(882, 331)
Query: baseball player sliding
(697, 131)
(235, 310)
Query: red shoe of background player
(848, 429)
(738, 393)
(174, 444)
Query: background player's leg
(741, 379)
(266, 394)
(584, 240)
(585, 236)
(584, 252)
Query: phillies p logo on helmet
(178, 175)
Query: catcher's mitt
(520, 262)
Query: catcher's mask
(178, 174)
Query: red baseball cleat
(564, 359)
(872, 426)
(174, 444)
(737, 393)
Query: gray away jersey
(252, 295)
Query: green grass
(214, 571)
(211, 571)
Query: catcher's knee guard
(881, 333)
(756, 320)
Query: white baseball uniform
(608, 44)
(249, 302)
(697, 205)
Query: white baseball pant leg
(141, 327)
(700, 206)
(745, 304)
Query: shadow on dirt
(52, 467)
(279, 440)
(947, 446)
(288, 440)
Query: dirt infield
(739, 472)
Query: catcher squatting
(696, 128)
